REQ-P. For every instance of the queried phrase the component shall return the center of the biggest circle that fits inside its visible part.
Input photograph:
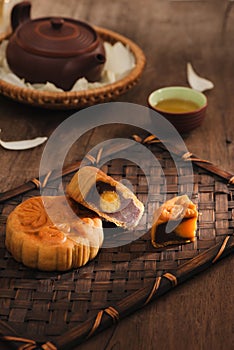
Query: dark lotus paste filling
(128, 212)
(162, 236)
(103, 186)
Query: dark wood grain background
(198, 314)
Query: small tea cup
(183, 107)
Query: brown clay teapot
(58, 50)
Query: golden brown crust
(86, 178)
(32, 237)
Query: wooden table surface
(199, 313)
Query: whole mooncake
(64, 243)
(109, 198)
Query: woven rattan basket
(4, 35)
(81, 99)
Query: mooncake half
(107, 197)
(64, 243)
(174, 222)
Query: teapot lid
(56, 37)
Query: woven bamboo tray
(81, 99)
(61, 310)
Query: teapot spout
(100, 58)
(20, 14)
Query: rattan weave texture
(43, 306)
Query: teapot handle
(20, 13)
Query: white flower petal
(196, 82)
(23, 144)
